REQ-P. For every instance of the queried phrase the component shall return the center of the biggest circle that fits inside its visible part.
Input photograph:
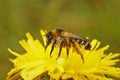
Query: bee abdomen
(85, 43)
(87, 46)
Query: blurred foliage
(94, 18)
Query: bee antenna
(44, 35)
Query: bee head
(49, 36)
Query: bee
(65, 39)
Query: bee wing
(70, 35)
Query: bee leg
(61, 45)
(52, 47)
(46, 45)
(67, 48)
(67, 45)
(75, 45)
(80, 54)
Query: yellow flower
(36, 63)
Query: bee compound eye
(49, 36)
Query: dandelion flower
(37, 63)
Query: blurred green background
(94, 18)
